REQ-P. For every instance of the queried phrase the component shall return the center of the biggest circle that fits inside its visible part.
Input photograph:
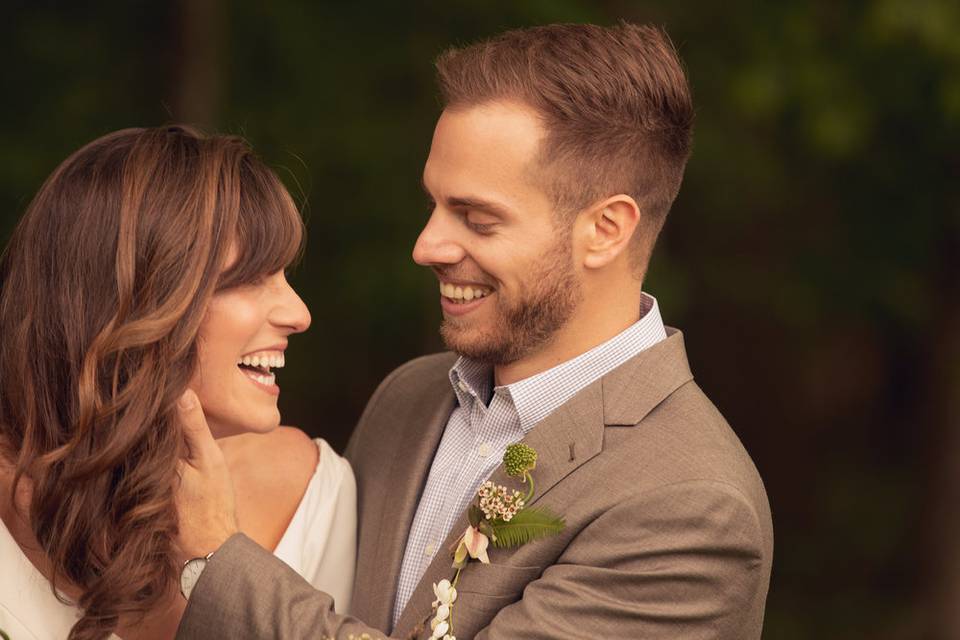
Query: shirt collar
(471, 379)
(538, 396)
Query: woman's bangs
(269, 230)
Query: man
(553, 165)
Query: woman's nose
(290, 310)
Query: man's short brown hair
(615, 103)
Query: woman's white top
(319, 543)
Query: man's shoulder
(686, 442)
(423, 375)
(401, 400)
(423, 369)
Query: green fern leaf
(526, 526)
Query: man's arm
(247, 593)
(244, 591)
(687, 561)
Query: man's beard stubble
(545, 305)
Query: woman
(151, 261)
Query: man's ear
(607, 228)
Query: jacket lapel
(406, 477)
(634, 389)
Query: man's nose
(437, 243)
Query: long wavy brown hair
(103, 286)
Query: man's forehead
(508, 129)
(488, 143)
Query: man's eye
(482, 228)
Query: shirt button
(463, 386)
(428, 551)
(484, 450)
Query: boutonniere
(499, 516)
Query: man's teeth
(464, 294)
(267, 361)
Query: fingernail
(187, 400)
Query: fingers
(206, 504)
(196, 432)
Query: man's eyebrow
(489, 206)
(469, 202)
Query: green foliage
(475, 515)
(527, 525)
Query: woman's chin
(225, 429)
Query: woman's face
(242, 341)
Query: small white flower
(445, 592)
(443, 612)
(441, 630)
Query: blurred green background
(811, 259)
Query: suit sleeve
(246, 593)
(684, 562)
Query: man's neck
(582, 333)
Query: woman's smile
(257, 367)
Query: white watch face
(190, 574)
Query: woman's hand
(205, 499)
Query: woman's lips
(264, 382)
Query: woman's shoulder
(291, 447)
(271, 474)
(283, 455)
(305, 456)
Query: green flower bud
(518, 459)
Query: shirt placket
(459, 478)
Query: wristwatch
(191, 573)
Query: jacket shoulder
(687, 440)
(421, 370)
(418, 379)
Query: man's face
(504, 262)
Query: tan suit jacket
(668, 530)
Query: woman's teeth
(257, 366)
(463, 294)
(265, 360)
(268, 379)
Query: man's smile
(461, 299)
(463, 293)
